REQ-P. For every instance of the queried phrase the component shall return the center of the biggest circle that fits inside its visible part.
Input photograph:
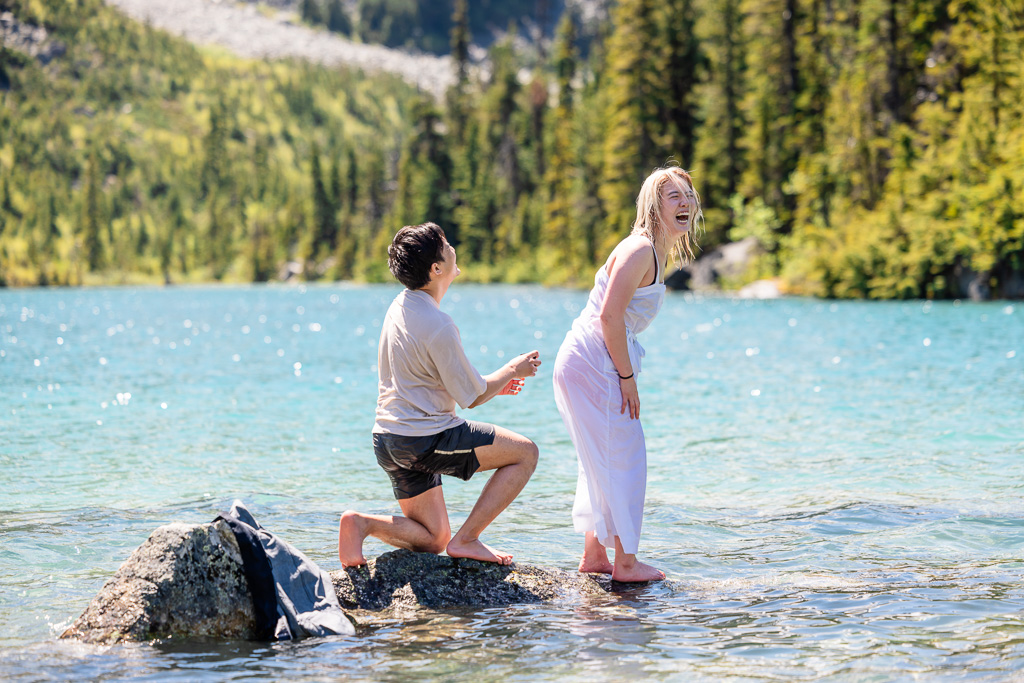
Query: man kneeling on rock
(417, 436)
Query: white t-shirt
(423, 369)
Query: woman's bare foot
(595, 557)
(597, 567)
(637, 573)
(351, 533)
(477, 550)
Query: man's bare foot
(351, 534)
(477, 550)
(637, 573)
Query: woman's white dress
(610, 446)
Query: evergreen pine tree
(93, 214)
(719, 160)
(337, 18)
(773, 88)
(311, 11)
(681, 61)
(460, 42)
(50, 226)
(324, 215)
(558, 236)
(425, 173)
(633, 130)
(213, 171)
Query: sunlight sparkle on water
(799, 529)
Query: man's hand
(514, 386)
(525, 365)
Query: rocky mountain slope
(251, 31)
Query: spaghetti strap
(657, 267)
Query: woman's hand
(630, 398)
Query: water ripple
(853, 520)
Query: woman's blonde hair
(648, 210)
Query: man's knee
(438, 542)
(531, 455)
(350, 519)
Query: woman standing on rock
(596, 373)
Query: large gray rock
(183, 581)
(972, 283)
(31, 40)
(187, 581)
(728, 261)
(403, 579)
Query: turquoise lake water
(834, 488)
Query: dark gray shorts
(416, 463)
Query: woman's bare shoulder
(630, 260)
(630, 247)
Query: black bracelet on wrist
(629, 376)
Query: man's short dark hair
(413, 251)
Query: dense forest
(873, 148)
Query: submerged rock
(183, 581)
(402, 579)
(188, 581)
